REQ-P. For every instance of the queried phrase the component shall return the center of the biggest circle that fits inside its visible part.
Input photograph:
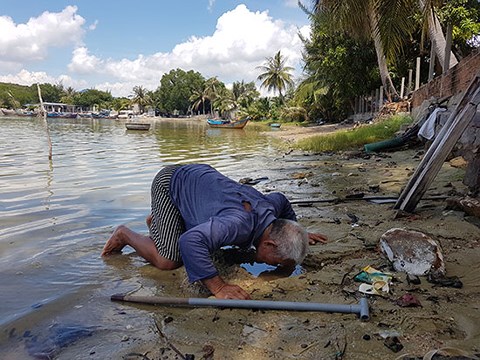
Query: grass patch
(355, 138)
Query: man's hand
(313, 238)
(223, 290)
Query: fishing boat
(227, 124)
(137, 126)
(61, 114)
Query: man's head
(284, 242)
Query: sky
(116, 45)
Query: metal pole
(361, 308)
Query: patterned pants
(167, 223)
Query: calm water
(55, 216)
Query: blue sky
(116, 45)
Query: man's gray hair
(291, 240)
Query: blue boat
(227, 124)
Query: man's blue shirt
(212, 207)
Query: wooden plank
(439, 139)
(430, 170)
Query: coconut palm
(225, 101)
(199, 97)
(432, 25)
(141, 97)
(276, 75)
(213, 87)
(244, 93)
(68, 95)
(362, 19)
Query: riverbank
(445, 317)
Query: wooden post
(410, 77)
(442, 145)
(448, 48)
(417, 74)
(43, 112)
(372, 102)
(431, 67)
(380, 98)
(377, 95)
(355, 111)
(402, 88)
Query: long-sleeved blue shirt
(212, 207)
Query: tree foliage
(337, 68)
(276, 74)
(176, 89)
(92, 97)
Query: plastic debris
(374, 282)
(408, 300)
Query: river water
(56, 215)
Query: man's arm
(198, 243)
(313, 238)
(223, 290)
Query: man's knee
(166, 264)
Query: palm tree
(68, 95)
(225, 101)
(199, 97)
(367, 19)
(141, 97)
(276, 75)
(432, 25)
(213, 87)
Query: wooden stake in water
(43, 112)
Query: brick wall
(453, 82)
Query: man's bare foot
(115, 243)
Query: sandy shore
(447, 317)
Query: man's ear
(270, 243)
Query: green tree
(370, 20)
(224, 101)
(276, 75)
(213, 88)
(199, 98)
(464, 15)
(331, 57)
(176, 89)
(68, 95)
(244, 93)
(141, 97)
(119, 103)
(51, 93)
(92, 97)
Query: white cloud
(241, 42)
(84, 63)
(25, 77)
(93, 26)
(31, 41)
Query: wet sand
(448, 317)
